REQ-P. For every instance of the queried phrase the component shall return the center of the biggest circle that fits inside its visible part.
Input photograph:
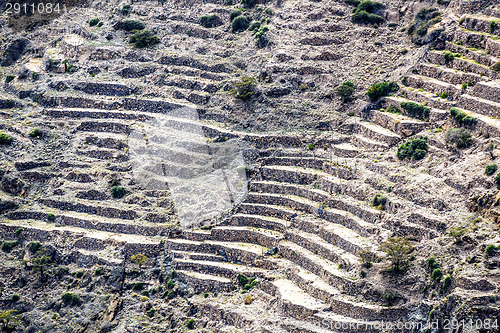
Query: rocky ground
(77, 94)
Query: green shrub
(144, 39)
(260, 36)
(393, 109)
(71, 299)
(496, 67)
(5, 139)
(413, 149)
(240, 23)
(9, 78)
(117, 192)
(126, 9)
(138, 286)
(346, 91)
(447, 282)
(311, 146)
(363, 17)
(457, 233)
(370, 6)
(491, 249)
(461, 118)
(242, 279)
(254, 26)
(379, 201)
(100, 24)
(354, 3)
(51, 217)
(34, 247)
(497, 179)
(449, 56)
(210, 21)
(459, 137)
(98, 271)
(437, 274)
(490, 169)
(398, 251)
(130, 25)
(493, 26)
(367, 258)
(9, 245)
(15, 298)
(151, 312)
(432, 263)
(190, 324)
(170, 284)
(248, 3)
(381, 89)
(93, 21)
(35, 133)
(244, 88)
(390, 297)
(415, 110)
(425, 18)
(235, 13)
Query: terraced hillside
(305, 250)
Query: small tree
(346, 91)
(139, 259)
(40, 263)
(9, 320)
(398, 251)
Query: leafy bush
(15, 298)
(34, 247)
(240, 23)
(35, 133)
(244, 88)
(379, 201)
(490, 169)
(98, 271)
(93, 21)
(413, 149)
(9, 78)
(117, 192)
(190, 324)
(398, 251)
(254, 26)
(235, 13)
(381, 89)
(5, 139)
(392, 109)
(437, 274)
(170, 284)
(346, 91)
(130, 25)
(51, 217)
(390, 297)
(449, 56)
(126, 9)
(447, 282)
(138, 286)
(210, 21)
(71, 299)
(248, 3)
(367, 12)
(260, 36)
(424, 19)
(9, 245)
(432, 263)
(415, 110)
(144, 39)
(354, 3)
(491, 249)
(459, 137)
(311, 146)
(461, 118)
(242, 279)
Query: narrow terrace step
(480, 105)
(439, 105)
(485, 123)
(197, 256)
(486, 41)
(368, 144)
(462, 63)
(334, 321)
(304, 162)
(434, 86)
(477, 55)
(205, 282)
(81, 207)
(311, 207)
(487, 90)
(322, 267)
(481, 23)
(253, 235)
(223, 269)
(398, 123)
(376, 132)
(319, 246)
(397, 101)
(256, 220)
(448, 75)
(346, 149)
(291, 174)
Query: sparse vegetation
(368, 12)
(35, 133)
(7, 246)
(415, 110)
(490, 169)
(398, 251)
(71, 299)
(461, 118)
(381, 89)
(446, 282)
(449, 56)
(437, 274)
(190, 323)
(144, 39)
(379, 201)
(139, 259)
(457, 233)
(491, 249)
(210, 21)
(390, 297)
(244, 88)
(413, 149)
(496, 67)
(346, 91)
(367, 258)
(126, 9)
(458, 137)
(34, 247)
(5, 139)
(419, 28)
(9, 320)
